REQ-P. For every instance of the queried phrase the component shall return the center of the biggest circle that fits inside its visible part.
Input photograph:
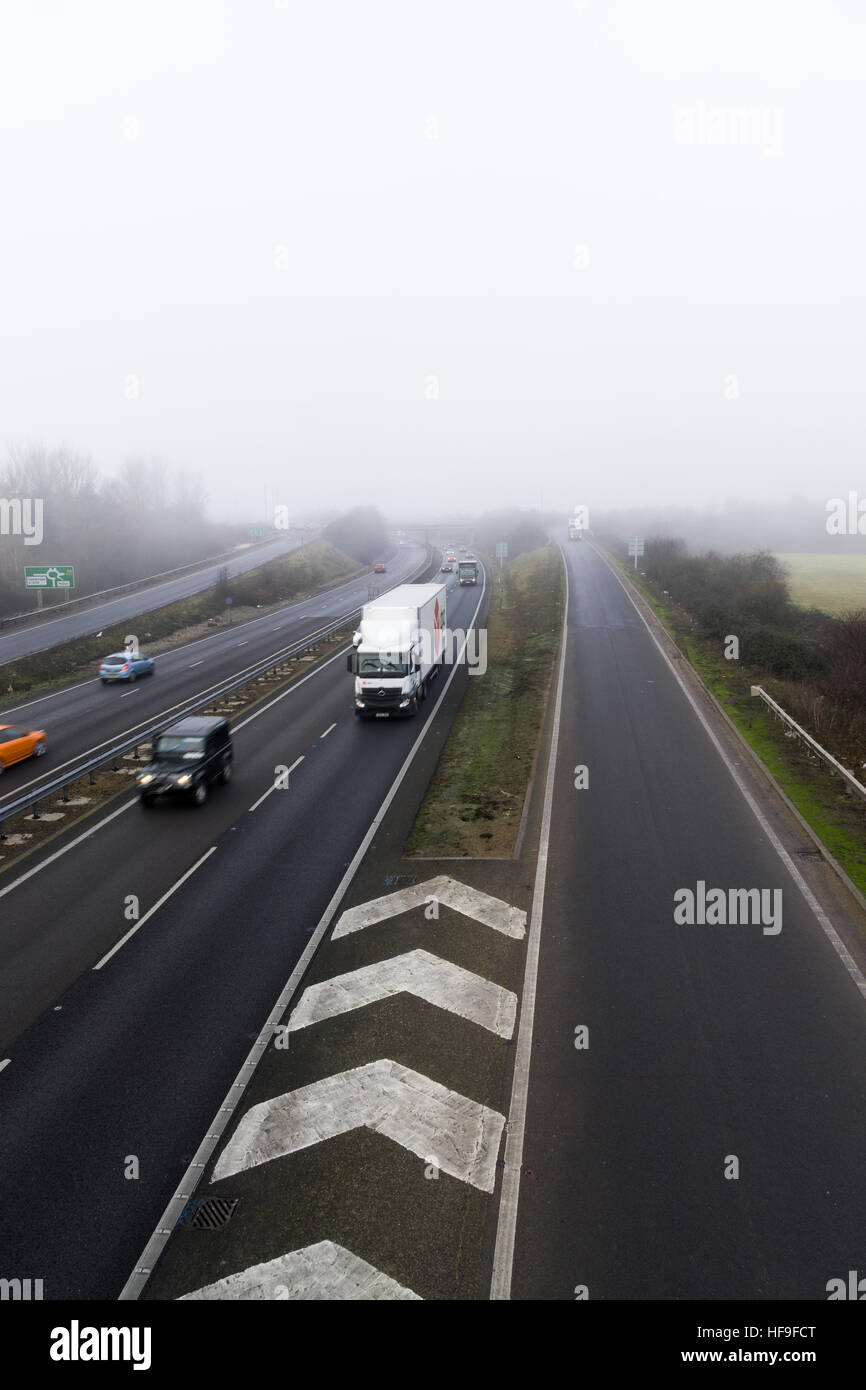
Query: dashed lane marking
(157, 905)
(273, 788)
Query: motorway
(707, 1043)
(49, 631)
(708, 1143)
(89, 716)
(115, 1060)
(706, 1138)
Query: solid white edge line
(188, 1183)
(506, 1226)
(157, 905)
(826, 925)
(66, 690)
(273, 786)
(171, 708)
(86, 834)
(58, 854)
(294, 610)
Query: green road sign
(49, 577)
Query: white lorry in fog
(398, 650)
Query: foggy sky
(439, 254)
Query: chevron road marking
(491, 912)
(437, 981)
(324, 1272)
(441, 1126)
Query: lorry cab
(398, 649)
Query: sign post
(42, 577)
(635, 548)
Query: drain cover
(210, 1213)
(808, 854)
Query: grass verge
(474, 804)
(298, 575)
(833, 813)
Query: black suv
(186, 757)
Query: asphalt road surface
(127, 1064)
(87, 717)
(50, 631)
(711, 1048)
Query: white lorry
(398, 650)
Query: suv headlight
(183, 779)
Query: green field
(830, 582)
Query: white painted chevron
(440, 1126)
(491, 912)
(437, 981)
(324, 1271)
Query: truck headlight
(359, 704)
(404, 704)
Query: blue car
(125, 666)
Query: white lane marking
(491, 912)
(157, 905)
(324, 1271)
(506, 1226)
(244, 643)
(43, 863)
(328, 730)
(176, 1204)
(826, 925)
(67, 690)
(273, 787)
(5, 1062)
(294, 611)
(165, 713)
(196, 663)
(152, 590)
(439, 982)
(443, 1127)
(130, 692)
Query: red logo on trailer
(437, 622)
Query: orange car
(17, 743)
